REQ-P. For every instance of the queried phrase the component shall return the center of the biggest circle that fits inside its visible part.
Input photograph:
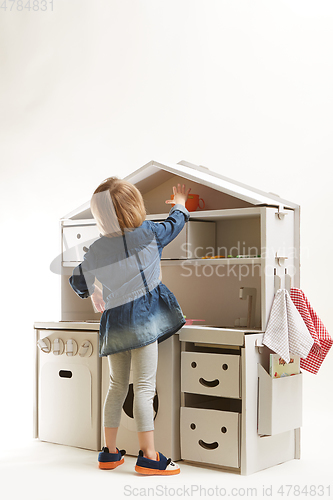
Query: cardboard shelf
(213, 262)
(235, 213)
(194, 262)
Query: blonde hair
(117, 205)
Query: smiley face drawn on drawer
(209, 383)
(208, 445)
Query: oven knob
(58, 347)
(71, 347)
(44, 345)
(85, 349)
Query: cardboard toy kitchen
(218, 405)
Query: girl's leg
(110, 438)
(119, 365)
(147, 444)
(144, 366)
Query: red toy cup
(193, 202)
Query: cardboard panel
(65, 405)
(195, 241)
(280, 403)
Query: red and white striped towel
(322, 339)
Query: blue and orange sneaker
(162, 466)
(108, 460)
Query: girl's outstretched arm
(167, 230)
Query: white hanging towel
(286, 331)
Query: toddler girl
(139, 311)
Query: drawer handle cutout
(209, 383)
(65, 374)
(208, 446)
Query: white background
(99, 88)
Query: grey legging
(144, 366)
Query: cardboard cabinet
(245, 427)
(76, 240)
(251, 239)
(67, 385)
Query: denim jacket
(139, 308)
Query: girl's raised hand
(180, 195)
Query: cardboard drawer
(76, 240)
(211, 335)
(210, 436)
(210, 373)
(280, 403)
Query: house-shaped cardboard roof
(155, 181)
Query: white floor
(44, 471)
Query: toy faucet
(251, 294)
